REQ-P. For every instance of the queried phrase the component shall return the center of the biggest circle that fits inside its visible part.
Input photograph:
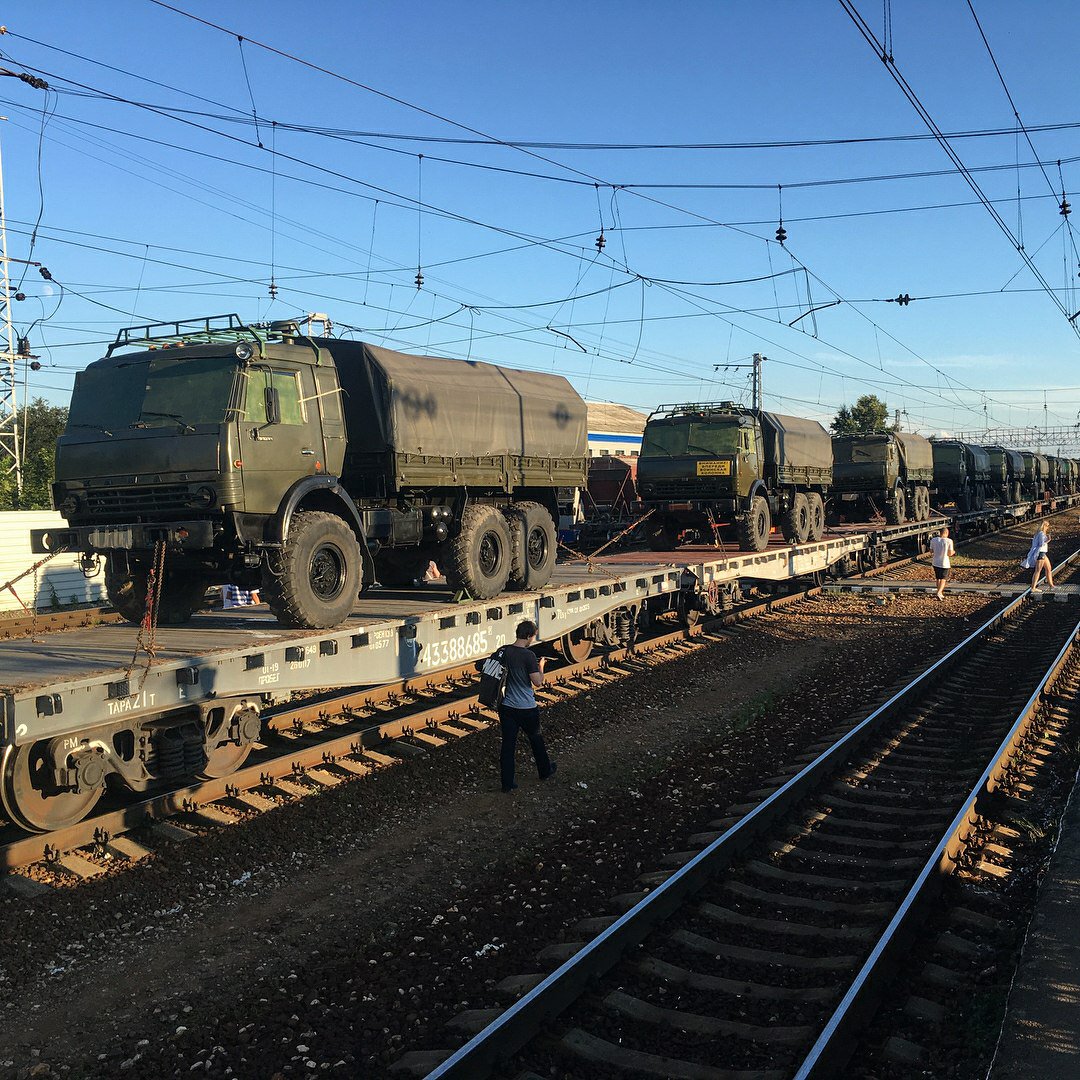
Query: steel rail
(523, 1020)
(837, 1041)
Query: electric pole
(756, 393)
(10, 451)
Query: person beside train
(518, 709)
(1039, 558)
(943, 550)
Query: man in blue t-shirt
(518, 708)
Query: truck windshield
(688, 438)
(162, 392)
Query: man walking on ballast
(518, 708)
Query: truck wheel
(980, 497)
(181, 595)
(478, 558)
(662, 537)
(895, 510)
(922, 500)
(1016, 493)
(964, 501)
(754, 526)
(532, 545)
(817, 516)
(313, 582)
(795, 522)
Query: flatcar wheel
(229, 739)
(28, 798)
(575, 647)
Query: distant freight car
(1006, 474)
(705, 467)
(309, 468)
(961, 474)
(890, 472)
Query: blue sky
(169, 209)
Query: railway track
(312, 745)
(769, 945)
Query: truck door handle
(306, 451)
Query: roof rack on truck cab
(694, 408)
(208, 330)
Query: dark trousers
(528, 720)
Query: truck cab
(188, 449)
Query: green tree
(868, 416)
(43, 424)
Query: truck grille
(104, 503)
(688, 488)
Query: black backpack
(493, 678)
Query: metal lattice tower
(1064, 440)
(10, 449)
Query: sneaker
(551, 772)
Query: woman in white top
(1042, 560)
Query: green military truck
(212, 452)
(1006, 474)
(961, 474)
(891, 472)
(1036, 470)
(1053, 474)
(707, 467)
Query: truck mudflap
(105, 538)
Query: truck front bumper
(191, 535)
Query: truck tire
(980, 497)
(1016, 493)
(661, 536)
(795, 522)
(754, 526)
(895, 508)
(313, 582)
(180, 597)
(817, 516)
(532, 545)
(478, 558)
(965, 500)
(922, 501)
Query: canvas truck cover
(793, 442)
(980, 460)
(453, 408)
(916, 452)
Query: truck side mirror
(273, 405)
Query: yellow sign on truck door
(713, 468)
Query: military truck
(961, 474)
(1066, 476)
(211, 452)
(1006, 474)
(1036, 469)
(709, 467)
(1052, 476)
(888, 473)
